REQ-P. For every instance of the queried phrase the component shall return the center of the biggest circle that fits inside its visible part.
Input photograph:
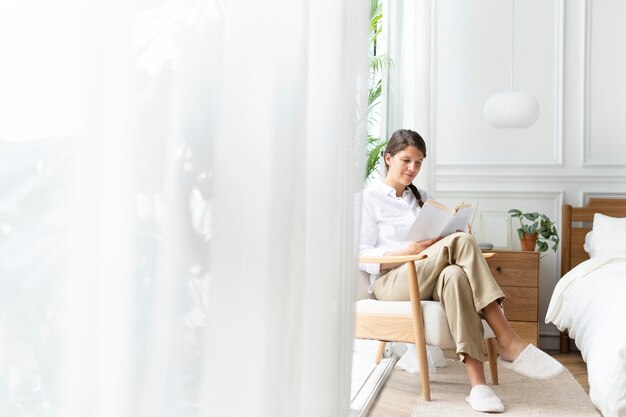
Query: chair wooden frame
(407, 329)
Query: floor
(397, 397)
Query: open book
(435, 219)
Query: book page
(429, 223)
(458, 221)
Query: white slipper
(483, 399)
(533, 363)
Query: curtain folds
(183, 243)
(410, 100)
(284, 186)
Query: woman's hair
(399, 141)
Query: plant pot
(528, 242)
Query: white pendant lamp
(511, 109)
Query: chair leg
(422, 361)
(380, 351)
(418, 329)
(493, 364)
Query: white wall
(569, 54)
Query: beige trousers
(457, 275)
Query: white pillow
(587, 244)
(609, 236)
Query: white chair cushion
(436, 328)
(362, 286)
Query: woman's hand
(412, 249)
(416, 247)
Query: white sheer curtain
(177, 194)
(410, 99)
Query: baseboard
(366, 396)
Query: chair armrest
(400, 259)
(390, 259)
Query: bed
(589, 301)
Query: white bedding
(590, 302)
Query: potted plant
(535, 230)
(377, 63)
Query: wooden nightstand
(517, 273)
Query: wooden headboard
(573, 233)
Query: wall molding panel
(607, 139)
(529, 200)
(586, 195)
(448, 117)
(501, 178)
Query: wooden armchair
(403, 321)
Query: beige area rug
(560, 396)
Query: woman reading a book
(455, 272)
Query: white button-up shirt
(385, 221)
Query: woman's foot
(510, 350)
(510, 345)
(483, 399)
(533, 363)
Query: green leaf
(376, 14)
(542, 246)
(374, 93)
(375, 147)
(531, 216)
(378, 62)
(515, 213)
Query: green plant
(377, 62)
(537, 224)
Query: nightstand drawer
(515, 269)
(520, 303)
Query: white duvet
(590, 302)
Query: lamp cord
(512, 44)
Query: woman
(455, 272)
